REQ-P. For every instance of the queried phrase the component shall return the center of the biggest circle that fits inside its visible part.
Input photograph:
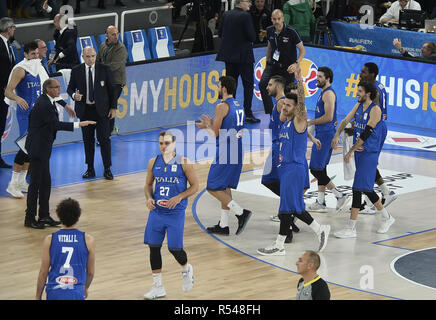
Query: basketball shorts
(158, 224)
(366, 168)
(293, 179)
(23, 120)
(77, 293)
(321, 158)
(384, 135)
(223, 176)
(306, 179)
(270, 170)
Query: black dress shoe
(90, 173)
(4, 165)
(108, 174)
(252, 119)
(33, 224)
(49, 222)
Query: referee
(311, 286)
(281, 55)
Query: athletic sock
(337, 193)
(385, 190)
(280, 241)
(224, 221)
(351, 224)
(185, 268)
(315, 226)
(22, 177)
(384, 213)
(321, 197)
(157, 279)
(15, 177)
(236, 209)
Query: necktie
(11, 56)
(91, 86)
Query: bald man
(91, 86)
(113, 53)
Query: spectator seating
(50, 49)
(161, 42)
(18, 53)
(83, 42)
(137, 45)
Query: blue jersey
(382, 102)
(374, 142)
(68, 261)
(274, 123)
(319, 112)
(293, 145)
(170, 180)
(29, 89)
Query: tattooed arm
(300, 121)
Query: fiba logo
(309, 72)
(9, 120)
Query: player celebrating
(170, 173)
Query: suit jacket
(103, 89)
(5, 67)
(66, 43)
(237, 36)
(43, 125)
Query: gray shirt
(317, 289)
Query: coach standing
(91, 86)
(237, 35)
(7, 62)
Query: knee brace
(357, 199)
(155, 258)
(372, 196)
(285, 223)
(21, 157)
(180, 256)
(305, 217)
(321, 176)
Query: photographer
(202, 12)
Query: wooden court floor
(114, 213)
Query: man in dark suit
(43, 125)
(65, 38)
(91, 86)
(7, 62)
(237, 35)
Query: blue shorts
(223, 176)
(321, 158)
(366, 168)
(77, 293)
(158, 224)
(23, 120)
(306, 179)
(270, 170)
(293, 179)
(384, 135)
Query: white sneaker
(390, 198)
(317, 207)
(346, 233)
(367, 210)
(272, 250)
(23, 187)
(14, 191)
(323, 236)
(386, 224)
(341, 203)
(274, 218)
(155, 292)
(188, 278)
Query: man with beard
(368, 133)
(325, 123)
(225, 171)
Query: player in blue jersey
(68, 258)
(368, 135)
(226, 126)
(369, 74)
(170, 173)
(325, 127)
(293, 171)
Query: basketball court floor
(396, 265)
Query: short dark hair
(328, 73)
(30, 46)
(167, 133)
(45, 85)
(280, 80)
(292, 96)
(369, 87)
(68, 211)
(291, 86)
(372, 68)
(229, 83)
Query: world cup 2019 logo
(309, 71)
(8, 126)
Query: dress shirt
(394, 11)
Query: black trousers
(39, 188)
(118, 88)
(103, 133)
(246, 71)
(3, 114)
(270, 71)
